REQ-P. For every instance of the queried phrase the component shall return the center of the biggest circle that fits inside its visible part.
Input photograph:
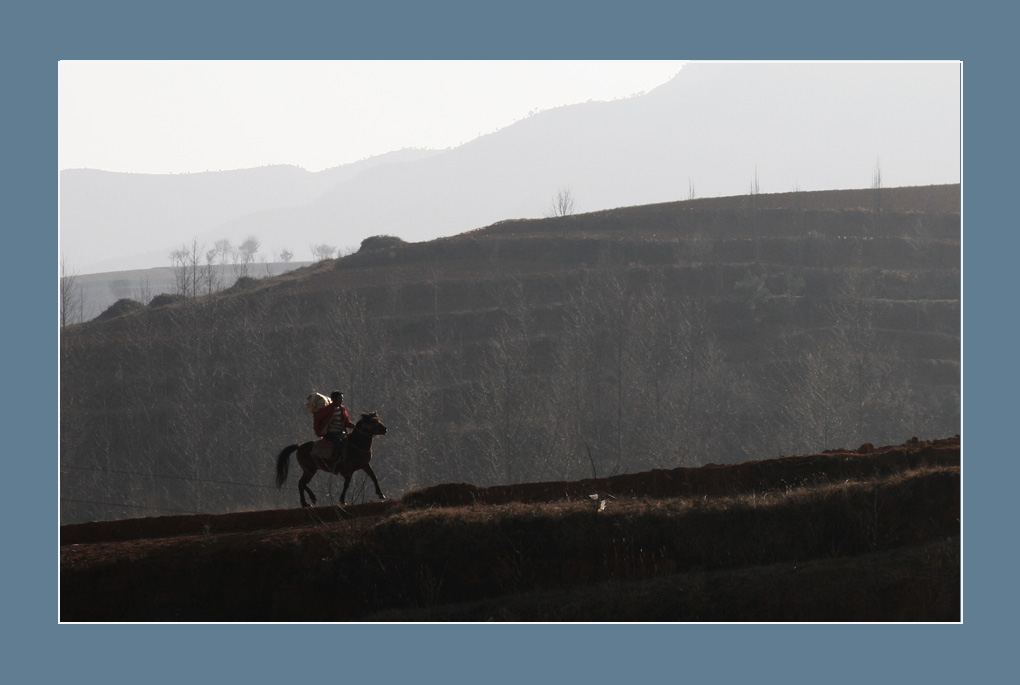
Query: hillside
(100, 291)
(649, 337)
(847, 535)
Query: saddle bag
(316, 401)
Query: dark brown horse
(359, 454)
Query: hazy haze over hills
(716, 127)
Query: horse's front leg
(375, 481)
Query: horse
(359, 454)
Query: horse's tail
(283, 464)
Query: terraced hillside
(654, 337)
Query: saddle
(329, 452)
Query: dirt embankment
(712, 479)
(882, 524)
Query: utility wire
(166, 477)
(129, 506)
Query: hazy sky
(192, 116)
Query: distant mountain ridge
(713, 130)
(182, 207)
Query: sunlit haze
(194, 116)
(472, 143)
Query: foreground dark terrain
(863, 535)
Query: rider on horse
(330, 420)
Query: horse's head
(370, 423)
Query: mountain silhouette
(715, 129)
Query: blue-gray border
(36, 35)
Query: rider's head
(336, 396)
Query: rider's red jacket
(321, 419)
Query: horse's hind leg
(303, 488)
(375, 481)
(343, 493)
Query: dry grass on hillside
(877, 544)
